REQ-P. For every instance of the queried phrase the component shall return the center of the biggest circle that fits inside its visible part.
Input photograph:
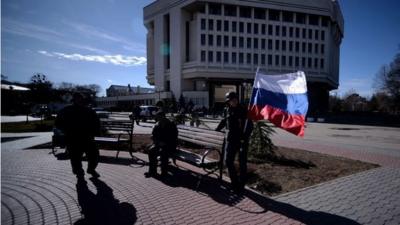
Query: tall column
(159, 78)
(177, 33)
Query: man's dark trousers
(231, 149)
(164, 153)
(76, 151)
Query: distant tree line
(41, 93)
(386, 98)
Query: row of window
(263, 59)
(260, 13)
(256, 43)
(255, 28)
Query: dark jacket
(78, 123)
(165, 134)
(234, 121)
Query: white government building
(202, 49)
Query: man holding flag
(281, 99)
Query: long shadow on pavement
(102, 208)
(220, 193)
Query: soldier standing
(80, 124)
(236, 139)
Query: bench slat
(199, 142)
(202, 137)
(201, 130)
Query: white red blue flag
(281, 99)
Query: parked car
(101, 113)
(148, 112)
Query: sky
(104, 41)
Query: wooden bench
(210, 141)
(112, 132)
(110, 128)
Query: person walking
(136, 114)
(80, 124)
(236, 139)
(165, 138)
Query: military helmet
(230, 95)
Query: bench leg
(118, 149)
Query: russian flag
(281, 99)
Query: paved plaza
(39, 189)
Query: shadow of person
(220, 193)
(102, 208)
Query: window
(233, 57)
(283, 45)
(249, 28)
(263, 43)
(203, 56)
(210, 24)
(219, 25)
(309, 47)
(230, 10)
(241, 27)
(303, 62)
(210, 40)
(259, 14)
(283, 60)
(214, 9)
(296, 61)
(321, 64)
(210, 56)
(322, 49)
(241, 58)
(234, 42)
(269, 29)
(277, 30)
(290, 31)
(297, 46)
(255, 59)
(316, 49)
(270, 60)
(226, 41)
(283, 31)
(309, 64)
(203, 24)
(234, 24)
(297, 32)
(290, 60)
(303, 47)
(226, 25)
(300, 18)
(248, 42)
(304, 33)
(287, 16)
(241, 42)
(255, 28)
(313, 20)
(263, 59)
(276, 44)
(290, 46)
(255, 43)
(219, 40)
(316, 63)
(276, 60)
(269, 44)
(316, 36)
(245, 12)
(274, 15)
(226, 57)
(262, 29)
(322, 35)
(203, 39)
(310, 34)
(325, 21)
(248, 58)
(218, 56)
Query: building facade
(202, 49)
